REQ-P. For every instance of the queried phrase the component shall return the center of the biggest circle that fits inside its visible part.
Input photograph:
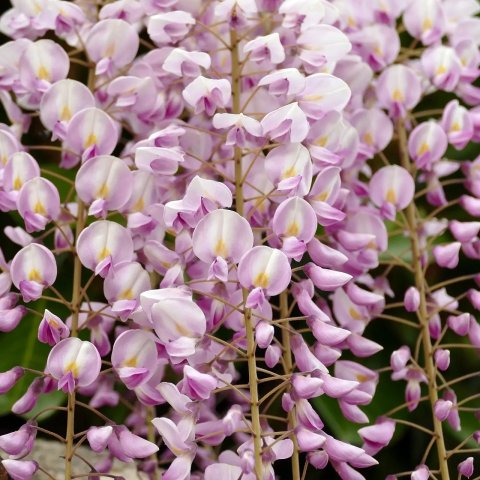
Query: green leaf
(399, 246)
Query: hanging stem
(420, 283)
(77, 272)
(151, 437)
(288, 370)
(76, 301)
(70, 435)
(239, 201)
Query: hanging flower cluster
(211, 216)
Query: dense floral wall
(240, 237)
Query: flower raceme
(222, 197)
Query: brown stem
(289, 370)
(151, 437)
(249, 329)
(76, 300)
(70, 435)
(420, 283)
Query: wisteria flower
(74, 363)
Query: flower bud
(272, 355)
(308, 440)
(287, 402)
(442, 359)
(460, 324)
(26, 403)
(98, 437)
(326, 279)
(19, 469)
(377, 436)
(411, 299)
(474, 298)
(435, 326)
(198, 386)
(9, 378)
(318, 459)
(51, 329)
(19, 443)
(327, 355)
(307, 387)
(400, 358)
(264, 332)
(442, 409)
(421, 473)
(413, 393)
(446, 256)
(465, 468)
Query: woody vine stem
(249, 328)
(76, 301)
(412, 224)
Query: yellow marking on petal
(126, 294)
(103, 191)
(321, 141)
(65, 114)
(289, 172)
(351, 22)
(455, 127)
(52, 322)
(43, 73)
(321, 197)
(313, 98)
(368, 139)
(440, 70)
(91, 140)
(391, 196)
(139, 205)
(182, 330)
(355, 314)
(37, 9)
(103, 254)
(378, 50)
(261, 280)
(397, 95)
(261, 205)
(110, 50)
(293, 230)
(424, 148)
(72, 367)
(4, 159)
(220, 249)
(361, 378)
(130, 362)
(427, 24)
(176, 451)
(39, 208)
(223, 61)
(34, 275)
(17, 183)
